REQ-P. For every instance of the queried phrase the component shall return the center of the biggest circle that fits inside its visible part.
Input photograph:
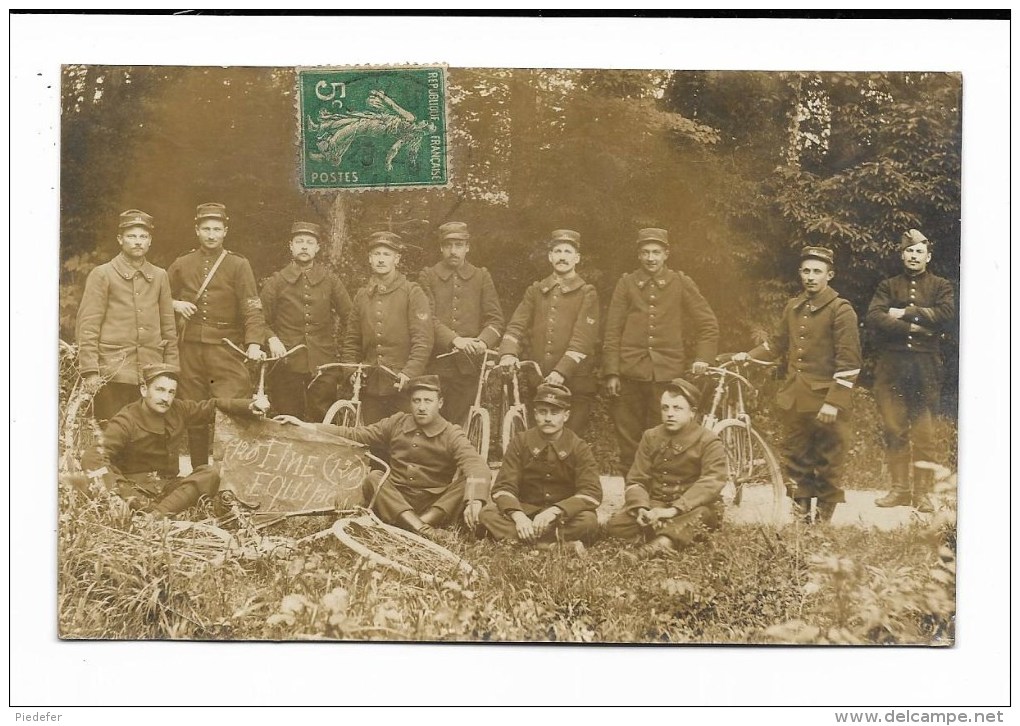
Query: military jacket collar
(642, 279)
(682, 440)
(817, 302)
(146, 419)
(292, 273)
(536, 443)
(443, 271)
(376, 287)
(567, 286)
(431, 430)
(125, 270)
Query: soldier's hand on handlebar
(276, 347)
(699, 367)
(255, 352)
(402, 380)
(740, 357)
(508, 362)
(556, 378)
(259, 404)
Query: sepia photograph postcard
(418, 350)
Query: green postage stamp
(373, 128)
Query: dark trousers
(906, 391)
(813, 454)
(209, 371)
(142, 491)
(392, 499)
(291, 394)
(111, 398)
(583, 526)
(635, 410)
(459, 391)
(681, 530)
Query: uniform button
(910, 345)
(910, 337)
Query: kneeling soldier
(673, 487)
(138, 456)
(548, 486)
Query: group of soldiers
(141, 328)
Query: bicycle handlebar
(319, 370)
(268, 359)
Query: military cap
(913, 237)
(565, 235)
(306, 228)
(211, 209)
(424, 383)
(385, 239)
(135, 218)
(686, 389)
(454, 230)
(553, 394)
(155, 370)
(653, 234)
(817, 253)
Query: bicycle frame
(515, 408)
(357, 383)
(260, 392)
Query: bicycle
(260, 391)
(347, 411)
(479, 421)
(515, 418)
(751, 463)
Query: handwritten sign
(285, 469)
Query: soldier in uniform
(228, 307)
(908, 315)
(303, 303)
(672, 492)
(389, 325)
(548, 486)
(434, 466)
(138, 459)
(818, 336)
(558, 323)
(125, 320)
(656, 319)
(468, 318)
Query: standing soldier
(126, 319)
(468, 318)
(908, 315)
(818, 336)
(655, 314)
(215, 295)
(302, 304)
(558, 323)
(389, 325)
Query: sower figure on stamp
(467, 315)
(558, 323)
(548, 486)
(138, 457)
(389, 325)
(434, 468)
(658, 323)
(818, 336)
(303, 303)
(125, 320)
(672, 491)
(215, 297)
(908, 314)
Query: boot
(802, 509)
(825, 510)
(178, 500)
(923, 480)
(899, 494)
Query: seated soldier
(548, 486)
(137, 457)
(433, 464)
(673, 488)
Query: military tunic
(433, 465)
(464, 305)
(390, 324)
(230, 308)
(537, 474)
(557, 322)
(655, 327)
(125, 321)
(819, 338)
(686, 470)
(908, 374)
(302, 306)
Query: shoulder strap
(209, 277)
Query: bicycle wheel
(479, 431)
(753, 472)
(342, 413)
(400, 550)
(513, 424)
